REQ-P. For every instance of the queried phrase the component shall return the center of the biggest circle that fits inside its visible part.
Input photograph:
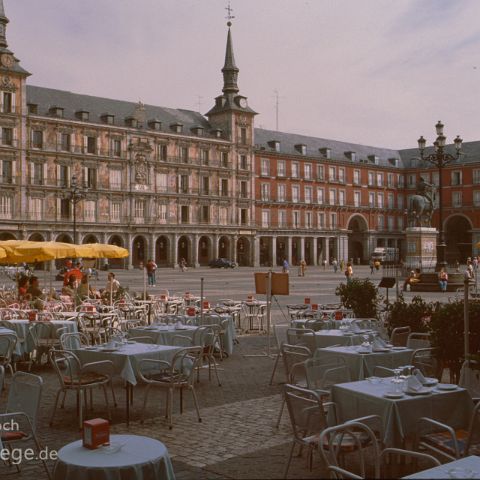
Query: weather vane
(229, 17)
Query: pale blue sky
(378, 72)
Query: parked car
(222, 263)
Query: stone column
(302, 248)
(130, 249)
(174, 250)
(274, 252)
(314, 249)
(234, 241)
(326, 248)
(289, 250)
(214, 247)
(151, 249)
(195, 251)
(342, 248)
(256, 251)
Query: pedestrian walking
(324, 264)
(151, 267)
(302, 268)
(335, 265)
(349, 272)
(183, 265)
(285, 266)
(342, 264)
(372, 266)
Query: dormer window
(274, 145)
(325, 152)
(217, 132)
(108, 118)
(197, 130)
(56, 112)
(155, 124)
(32, 108)
(82, 115)
(373, 159)
(301, 148)
(351, 156)
(177, 127)
(393, 161)
(131, 122)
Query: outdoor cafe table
(139, 457)
(361, 365)
(125, 361)
(328, 338)
(400, 416)
(468, 467)
(163, 335)
(18, 345)
(22, 327)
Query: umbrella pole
(144, 283)
(466, 325)
(201, 301)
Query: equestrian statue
(421, 205)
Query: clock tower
(231, 113)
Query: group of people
(76, 284)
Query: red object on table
(306, 300)
(191, 311)
(314, 306)
(206, 305)
(338, 315)
(32, 315)
(250, 298)
(96, 432)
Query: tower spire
(3, 26)
(229, 70)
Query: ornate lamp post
(75, 194)
(440, 159)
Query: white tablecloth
(126, 358)
(163, 335)
(21, 328)
(141, 458)
(400, 417)
(361, 365)
(18, 345)
(327, 338)
(464, 466)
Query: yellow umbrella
(30, 252)
(3, 253)
(100, 250)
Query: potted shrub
(361, 295)
(447, 329)
(415, 314)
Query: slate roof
(470, 154)
(46, 98)
(313, 144)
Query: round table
(140, 458)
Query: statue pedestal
(421, 247)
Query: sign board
(387, 282)
(280, 285)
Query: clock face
(7, 60)
(243, 102)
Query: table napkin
(420, 377)
(378, 343)
(413, 383)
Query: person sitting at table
(112, 285)
(85, 290)
(22, 287)
(71, 287)
(34, 289)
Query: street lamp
(440, 159)
(74, 195)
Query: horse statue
(420, 211)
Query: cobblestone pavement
(237, 437)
